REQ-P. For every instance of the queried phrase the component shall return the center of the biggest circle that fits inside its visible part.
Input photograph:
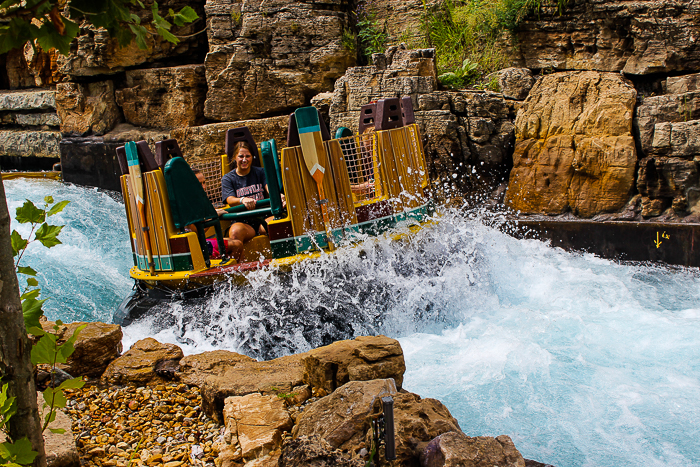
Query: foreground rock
(574, 149)
(96, 346)
(138, 365)
(453, 449)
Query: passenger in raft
(244, 185)
(213, 244)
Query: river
(581, 360)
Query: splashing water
(582, 361)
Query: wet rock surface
(138, 364)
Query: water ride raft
(335, 190)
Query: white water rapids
(582, 361)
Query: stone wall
(636, 37)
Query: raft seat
(189, 204)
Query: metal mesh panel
(359, 154)
(211, 168)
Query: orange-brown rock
(281, 374)
(164, 97)
(268, 57)
(87, 108)
(417, 421)
(455, 449)
(194, 369)
(31, 67)
(137, 365)
(341, 418)
(96, 346)
(361, 359)
(574, 147)
(255, 424)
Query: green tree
(50, 24)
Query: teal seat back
(273, 175)
(189, 203)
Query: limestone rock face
(396, 73)
(314, 451)
(96, 346)
(271, 57)
(94, 52)
(514, 83)
(362, 359)
(341, 418)
(195, 368)
(137, 365)
(27, 100)
(30, 67)
(574, 148)
(89, 108)
(637, 37)
(668, 127)
(29, 143)
(454, 449)
(255, 423)
(205, 140)
(164, 97)
(280, 374)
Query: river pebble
(156, 426)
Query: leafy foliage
(47, 349)
(48, 24)
(371, 36)
(472, 31)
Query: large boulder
(455, 449)
(30, 67)
(138, 365)
(640, 38)
(268, 57)
(164, 97)
(417, 421)
(96, 346)
(361, 359)
(194, 369)
(342, 418)
(87, 108)
(574, 147)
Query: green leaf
(18, 243)
(37, 331)
(55, 209)
(20, 451)
(140, 34)
(185, 15)
(28, 213)
(48, 199)
(74, 383)
(47, 235)
(26, 270)
(44, 351)
(31, 309)
(34, 293)
(32, 282)
(67, 348)
(49, 38)
(167, 35)
(56, 396)
(58, 431)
